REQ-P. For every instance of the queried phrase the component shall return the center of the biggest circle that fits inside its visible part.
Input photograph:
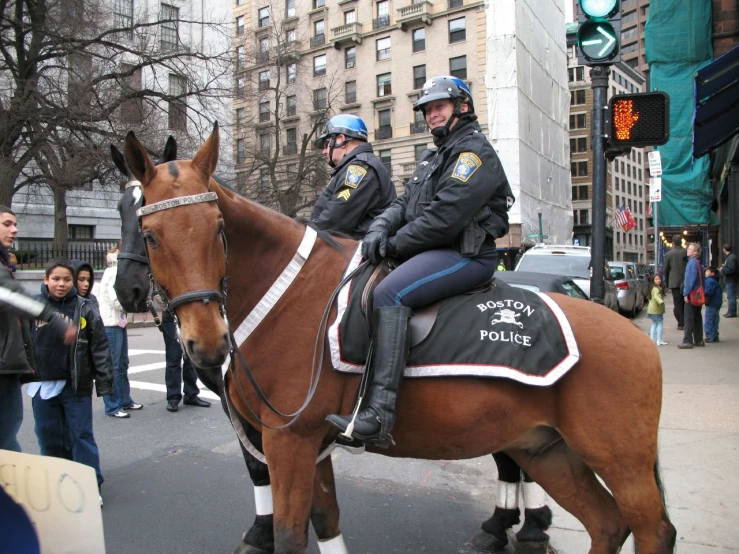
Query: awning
(717, 103)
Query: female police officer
(443, 228)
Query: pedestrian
(84, 281)
(62, 401)
(693, 334)
(501, 265)
(674, 274)
(360, 188)
(730, 272)
(656, 309)
(443, 229)
(17, 358)
(178, 369)
(114, 319)
(13, 262)
(714, 299)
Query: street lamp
(541, 230)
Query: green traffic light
(599, 8)
(597, 40)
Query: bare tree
(276, 162)
(76, 75)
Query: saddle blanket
(504, 332)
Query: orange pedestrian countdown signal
(639, 119)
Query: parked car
(542, 282)
(628, 286)
(570, 261)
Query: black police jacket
(458, 197)
(360, 189)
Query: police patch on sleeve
(354, 176)
(467, 164)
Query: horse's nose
(208, 357)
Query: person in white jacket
(114, 319)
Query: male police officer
(360, 188)
(444, 228)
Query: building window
(419, 76)
(132, 109)
(292, 105)
(584, 217)
(240, 151)
(350, 17)
(263, 112)
(418, 151)
(383, 49)
(263, 16)
(240, 58)
(291, 36)
(577, 121)
(290, 8)
(578, 144)
(264, 80)
(240, 87)
(240, 117)
(319, 29)
(291, 136)
(351, 92)
(576, 74)
(579, 169)
(419, 39)
(385, 128)
(177, 104)
(350, 57)
(169, 37)
(123, 16)
(583, 192)
(383, 15)
(80, 232)
(384, 84)
(458, 67)
(265, 144)
(292, 72)
(241, 181)
(319, 65)
(577, 97)
(263, 53)
(318, 4)
(386, 159)
(240, 25)
(320, 99)
(457, 30)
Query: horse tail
(665, 516)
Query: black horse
(132, 287)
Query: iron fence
(35, 256)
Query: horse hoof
(486, 542)
(532, 547)
(244, 548)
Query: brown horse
(601, 418)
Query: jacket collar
(364, 147)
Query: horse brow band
(176, 202)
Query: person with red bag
(695, 297)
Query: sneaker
(120, 414)
(685, 345)
(101, 500)
(729, 315)
(134, 406)
(662, 343)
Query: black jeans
(693, 323)
(177, 368)
(678, 308)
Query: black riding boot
(391, 340)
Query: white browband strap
(177, 202)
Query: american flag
(624, 218)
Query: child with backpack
(714, 299)
(656, 309)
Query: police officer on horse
(443, 229)
(360, 188)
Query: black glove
(374, 246)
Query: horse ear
(206, 159)
(118, 160)
(138, 160)
(170, 150)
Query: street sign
(576, 242)
(655, 189)
(655, 163)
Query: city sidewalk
(699, 443)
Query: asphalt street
(176, 483)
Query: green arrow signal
(609, 38)
(597, 40)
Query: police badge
(354, 175)
(467, 164)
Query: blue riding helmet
(444, 87)
(348, 125)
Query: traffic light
(641, 119)
(599, 32)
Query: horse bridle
(129, 255)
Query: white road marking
(136, 352)
(146, 367)
(142, 385)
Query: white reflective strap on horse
(177, 202)
(333, 546)
(533, 496)
(275, 292)
(132, 184)
(263, 500)
(507, 495)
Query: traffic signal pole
(599, 83)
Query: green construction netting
(678, 43)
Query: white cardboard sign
(655, 189)
(61, 499)
(655, 163)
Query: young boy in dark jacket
(714, 298)
(84, 280)
(62, 402)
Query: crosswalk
(157, 366)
